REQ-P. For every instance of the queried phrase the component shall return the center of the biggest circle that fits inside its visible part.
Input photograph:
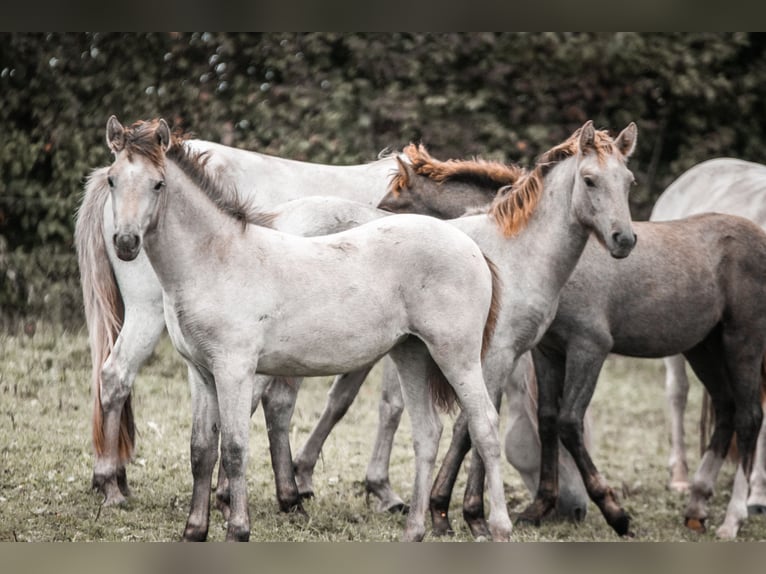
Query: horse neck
(188, 223)
(551, 244)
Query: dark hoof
(441, 524)
(479, 529)
(193, 534)
(695, 524)
(622, 526)
(756, 509)
(306, 495)
(237, 535)
(122, 482)
(532, 515)
(399, 508)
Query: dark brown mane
(141, 139)
(512, 210)
(476, 171)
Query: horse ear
(163, 135)
(404, 172)
(115, 134)
(626, 141)
(587, 137)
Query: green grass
(46, 460)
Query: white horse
(578, 188)
(241, 299)
(123, 300)
(736, 187)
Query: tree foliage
(342, 98)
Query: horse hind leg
(342, 393)
(278, 406)
(441, 493)
(706, 359)
(390, 410)
(756, 502)
(736, 512)
(481, 413)
(137, 339)
(411, 360)
(677, 391)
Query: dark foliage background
(342, 98)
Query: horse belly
(323, 353)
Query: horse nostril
(623, 239)
(578, 514)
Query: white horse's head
(601, 186)
(136, 180)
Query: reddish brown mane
(482, 172)
(141, 139)
(512, 210)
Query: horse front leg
(137, 339)
(204, 452)
(342, 393)
(550, 372)
(583, 366)
(677, 391)
(390, 410)
(235, 387)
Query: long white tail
(103, 303)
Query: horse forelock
(141, 139)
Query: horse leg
(583, 366)
(736, 512)
(441, 492)
(550, 372)
(137, 339)
(411, 361)
(473, 498)
(390, 410)
(705, 360)
(756, 502)
(342, 393)
(278, 406)
(204, 452)
(677, 391)
(483, 427)
(236, 387)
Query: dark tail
(707, 418)
(441, 391)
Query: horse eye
(110, 181)
(589, 181)
(159, 185)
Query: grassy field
(46, 460)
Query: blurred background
(343, 98)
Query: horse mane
(140, 138)
(475, 171)
(513, 210)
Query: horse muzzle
(621, 244)
(127, 245)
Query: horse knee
(570, 431)
(114, 388)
